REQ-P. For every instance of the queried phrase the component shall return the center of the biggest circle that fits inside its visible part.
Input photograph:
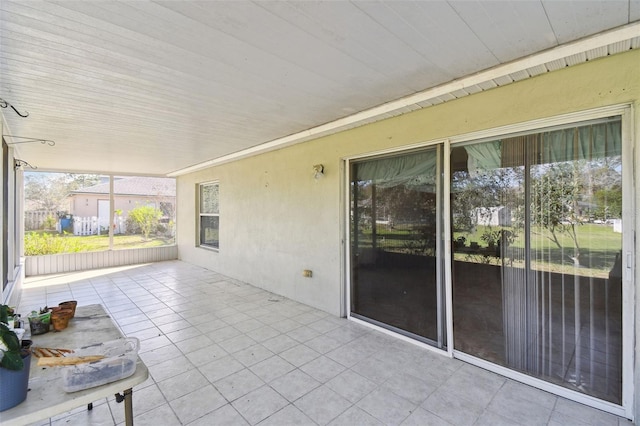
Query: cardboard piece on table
(71, 360)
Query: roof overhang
(588, 49)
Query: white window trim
(201, 215)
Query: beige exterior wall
(276, 220)
(86, 205)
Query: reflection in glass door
(395, 250)
(537, 247)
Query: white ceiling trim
(580, 51)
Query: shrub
(49, 223)
(37, 244)
(132, 226)
(147, 218)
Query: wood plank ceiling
(153, 87)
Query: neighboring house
(129, 193)
(493, 216)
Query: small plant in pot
(15, 361)
(39, 322)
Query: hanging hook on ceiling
(5, 104)
(25, 139)
(21, 164)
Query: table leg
(128, 407)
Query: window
(209, 215)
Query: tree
(77, 181)
(43, 193)
(608, 202)
(147, 218)
(472, 194)
(49, 191)
(555, 193)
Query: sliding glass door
(537, 254)
(396, 265)
(535, 272)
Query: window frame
(201, 215)
(4, 208)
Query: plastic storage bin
(119, 362)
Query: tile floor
(222, 352)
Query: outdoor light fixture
(318, 171)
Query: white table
(46, 398)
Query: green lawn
(598, 247)
(48, 242)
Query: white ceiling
(156, 87)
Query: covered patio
(224, 352)
(262, 112)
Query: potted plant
(60, 318)
(491, 238)
(459, 242)
(14, 365)
(39, 322)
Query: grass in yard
(46, 242)
(598, 243)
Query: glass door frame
(629, 155)
(628, 248)
(442, 147)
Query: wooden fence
(34, 220)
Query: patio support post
(111, 211)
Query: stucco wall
(86, 205)
(276, 220)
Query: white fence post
(85, 225)
(91, 225)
